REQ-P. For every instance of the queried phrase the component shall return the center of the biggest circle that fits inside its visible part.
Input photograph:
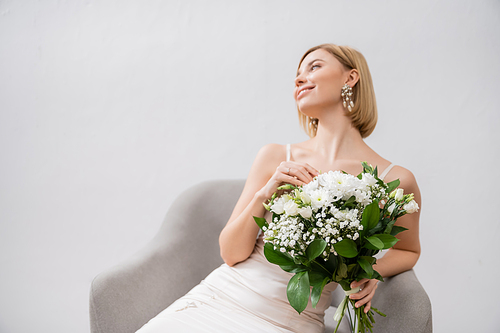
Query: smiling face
(318, 83)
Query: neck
(336, 137)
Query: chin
(309, 110)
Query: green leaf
(363, 275)
(314, 249)
(332, 263)
(376, 275)
(366, 167)
(317, 290)
(374, 243)
(371, 260)
(300, 259)
(392, 185)
(389, 227)
(261, 222)
(287, 187)
(370, 216)
(298, 291)
(346, 285)
(294, 268)
(397, 229)
(342, 271)
(319, 268)
(366, 266)
(349, 201)
(276, 256)
(346, 248)
(316, 277)
(388, 240)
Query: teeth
(300, 93)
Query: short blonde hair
(364, 113)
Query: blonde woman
(247, 293)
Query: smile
(304, 90)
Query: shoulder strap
(386, 171)
(287, 152)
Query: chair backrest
(183, 252)
(193, 224)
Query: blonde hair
(364, 113)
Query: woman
(247, 293)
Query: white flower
(305, 212)
(411, 207)
(291, 208)
(391, 208)
(278, 205)
(368, 179)
(397, 194)
(305, 197)
(319, 198)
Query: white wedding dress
(246, 298)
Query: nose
(300, 79)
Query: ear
(352, 77)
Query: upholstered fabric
(186, 249)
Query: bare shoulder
(272, 150)
(271, 154)
(267, 159)
(407, 180)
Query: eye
(313, 67)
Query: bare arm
(402, 256)
(268, 172)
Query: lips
(303, 90)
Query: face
(319, 82)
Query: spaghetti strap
(287, 152)
(386, 171)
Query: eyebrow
(309, 64)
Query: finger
(361, 282)
(301, 173)
(304, 167)
(368, 307)
(365, 289)
(285, 179)
(366, 299)
(311, 170)
(307, 169)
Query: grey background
(109, 109)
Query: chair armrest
(406, 304)
(402, 298)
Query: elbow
(412, 258)
(233, 252)
(231, 258)
(227, 259)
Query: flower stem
(322, 267)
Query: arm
(402, 256)
(268, 172)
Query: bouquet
(329, 231)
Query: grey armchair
(125, 297)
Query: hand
(366, 293)
(290, 172)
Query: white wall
(109, 109)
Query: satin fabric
(248, 297)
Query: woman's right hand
(289, 172)
(237, 239)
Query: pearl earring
(346, 97)
(313, 122)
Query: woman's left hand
(366, 293)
